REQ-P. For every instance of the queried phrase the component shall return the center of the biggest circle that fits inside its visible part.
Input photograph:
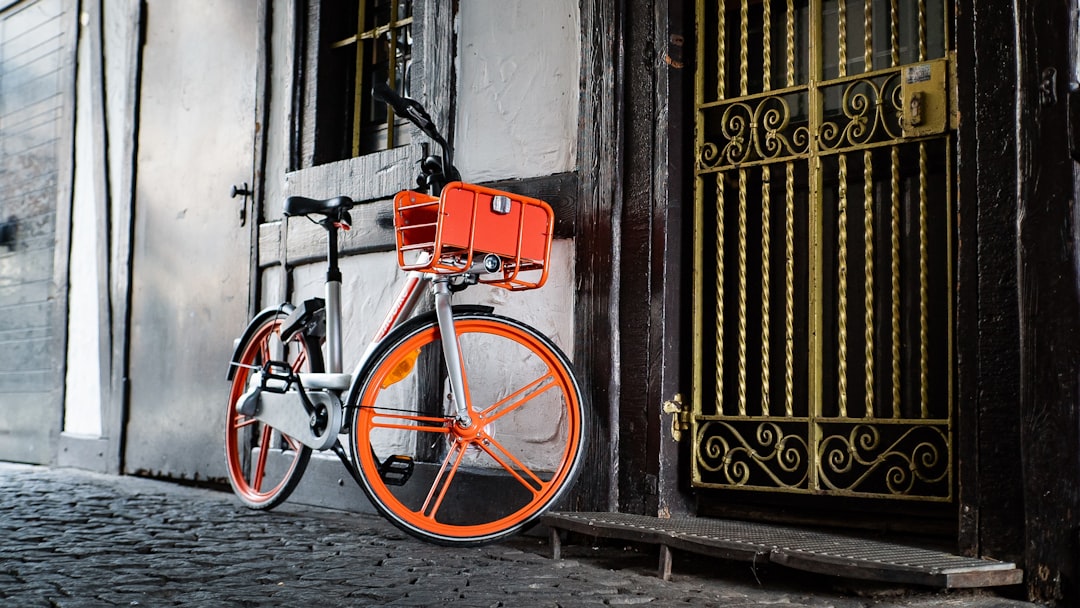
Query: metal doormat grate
(809, 550)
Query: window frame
(381, 174)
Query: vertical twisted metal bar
(894, 31)
(789, 239)
(841, 12)
(842, 268)
(790, 43)
(868, 35)
(842, 227)
(742, 291)
(720, 293)
(744, 44)
(923, 304)
(868, 228)
(766, 44)
(894, 228)
(922, 30)
(789, 290)
(894, 271)
(868, 279)
(766, 246)
(721, 49)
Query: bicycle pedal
(396, 470)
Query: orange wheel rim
(477, 438)
(251, 489)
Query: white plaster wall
(369, 284)
(82, 406)
(549, 309)
(518, 70)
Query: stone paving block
(80, 539)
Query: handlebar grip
(384, 93)
(409, 109)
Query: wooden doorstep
(799, 548)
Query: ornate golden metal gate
(823, 328)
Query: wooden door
(190, 258)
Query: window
(356, 43)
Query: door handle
(243, 192)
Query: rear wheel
(464, 486)
(264, 464)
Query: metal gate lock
(680, 417)
(924, 98)
(915, 115)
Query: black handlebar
(406, 108)
(436, 172)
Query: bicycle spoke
(301, 359)
(264, 350)
(441, 485)
(241, 421)
(490, 442)
(293, 444)
(427, 424)
(497, 410)
(260, 468)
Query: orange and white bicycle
(462, 426)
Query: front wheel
(465, 486)
(264, 464)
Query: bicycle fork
(451, 350)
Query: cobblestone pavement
(71, 538)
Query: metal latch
(924, 98)
(680, 417)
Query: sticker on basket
(500, 204)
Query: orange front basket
(452, 233)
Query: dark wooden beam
(987, 339)
(373, 222)
(674, 24)
(1048, 276)
(600, 172)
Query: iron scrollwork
(768, 457)
(758, 130)
(863, 461)
(870, 111)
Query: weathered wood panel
(595, 311)
(988, 373)
(639, 434)
(36, 76)
(1048, 276)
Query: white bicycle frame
(400, 311)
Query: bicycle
(448, 443)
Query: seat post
(333, 300)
